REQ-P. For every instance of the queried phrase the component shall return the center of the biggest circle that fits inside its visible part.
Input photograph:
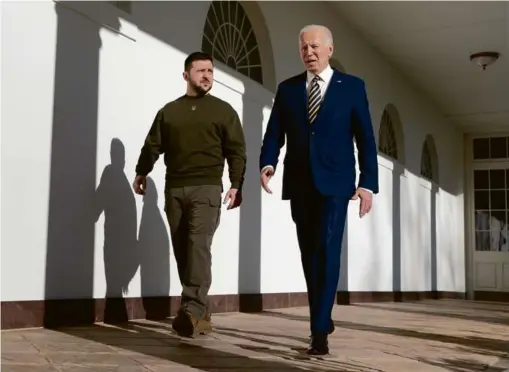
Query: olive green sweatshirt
(196, 136)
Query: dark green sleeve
(152, 148)
(234, 149)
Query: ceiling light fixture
(484, 59)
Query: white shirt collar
(325, 75)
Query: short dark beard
(198, 90)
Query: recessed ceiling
(431, 42)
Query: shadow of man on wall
(70, 251)
(115, 199)
(154, 249)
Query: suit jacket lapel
(332, 95)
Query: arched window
(426, 167)
(391, 141)
(228, 36)
(429, 160)
(387, 142)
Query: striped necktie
(314, 99)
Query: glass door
(491, 214)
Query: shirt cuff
(267, 167)
(368, 190)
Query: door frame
(468, 141)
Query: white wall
(63, 103)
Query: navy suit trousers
(320, 222)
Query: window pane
(498, 148)
(497, 220)
(497, 179)
(504, 239)
(495, 241)
(481, 148)
(482, 220)
(209, 33)
(219, 12)
(482, 200)
(254, 56)
(481, 180)
(497, 199)
(256, 74)
(482, 240)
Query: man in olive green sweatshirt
(196, 133)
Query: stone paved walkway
(409, 337)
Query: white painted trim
(469, 224)
(427, 184)
(486, 130)
(486, 134)
(385, 162)
(487, 165)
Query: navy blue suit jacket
(325, 146)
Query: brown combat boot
(205, 324)
(186, 324)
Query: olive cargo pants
(193, 214)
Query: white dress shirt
(325, 78)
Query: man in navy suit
(318, 114)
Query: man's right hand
(265, 177)
(140, 185)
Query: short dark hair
(196, 56)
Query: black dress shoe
(331, 329)
(319, 345)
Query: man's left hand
(366, 201)
(234, 198)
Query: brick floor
(409, 337)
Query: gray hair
(327, 33)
